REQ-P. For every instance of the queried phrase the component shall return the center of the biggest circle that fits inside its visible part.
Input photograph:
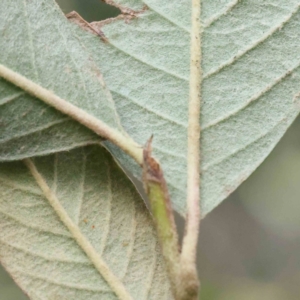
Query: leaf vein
(11, 98)
(132, 242)
(25, 189)
(149, 284)
(35, 130)
(47, 152)
(253, 99)
(254, 45)
(108, 218)
(99, 264)
(149, 64)
(62, 284)
(82, 187)
(216, 17)
(261, 136)
(150, 110)
(30, 39)
(39, 255)
(166, 18)
(31, 226)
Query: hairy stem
(189, 246)
(99, 127)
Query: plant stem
(78, 114)
(161, 209)
(189, 246)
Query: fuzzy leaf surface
(44, 257)
(250, 85)
(37, 42)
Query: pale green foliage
(250, 62)
(39, 251)
(38, 43)
(138, 81)
(251, 79)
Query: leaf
(250, 85)
(68, 215)
(37, 42)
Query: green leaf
(250, 80)
(37, 42)
(66, 217)
(250, 85)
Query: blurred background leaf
(90, 10)
(250, 244)
(8, 289)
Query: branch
(78, 114)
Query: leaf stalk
(161, 208)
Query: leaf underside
(137, 80)
(251, 79)
(250, 85)
(38, 43)
(42, 255)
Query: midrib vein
(116, 285)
